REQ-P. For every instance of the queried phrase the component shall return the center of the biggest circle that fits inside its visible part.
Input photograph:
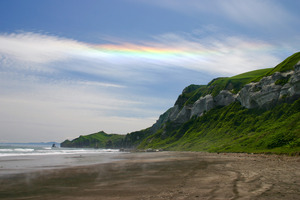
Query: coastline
(35, 160)
(164, 175)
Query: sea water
(27, 158)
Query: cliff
(267, 92)
(258, 92)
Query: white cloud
(218, 54)
(101, 84)
(37, 48)
(264, 14)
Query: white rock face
(267, 92)
(201, 105)
(183, 115)
(224, 98)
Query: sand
(164, 175)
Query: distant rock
(96, 140)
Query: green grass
(133, 139)
(252, 74)
(234, 129)
(233, 84)
(96, 140)
(192, 91)
(287, 64)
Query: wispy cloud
(248, 13)
(55, 120)
(37, 48)
(264, 14)
(56, 109)
(218, 55)
(221, 54)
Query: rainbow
(190, 55)
(137, 51)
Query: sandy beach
(164, 175)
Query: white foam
(6, 150)
(52, 151)
(24, 150)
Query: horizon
(71, 68)
(30, 143)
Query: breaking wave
(37, 150)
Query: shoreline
(28, 163)
(164, 175)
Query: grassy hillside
(284, 66)
(234, 129)
(193, 92)
(96, 140)
(287, 64)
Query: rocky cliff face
(271, 89)
(278, 87)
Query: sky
(76, 67)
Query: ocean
(23, 158)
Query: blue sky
(74, 67)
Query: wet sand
(164, 175)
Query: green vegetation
(284, 66)
(282, 81)
(287, 64)
(133, 139)
(190, 92)
(234, 84)
(96, 140)
(234, 129)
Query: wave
(24, 150)
(5, 150)
(51, 151)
